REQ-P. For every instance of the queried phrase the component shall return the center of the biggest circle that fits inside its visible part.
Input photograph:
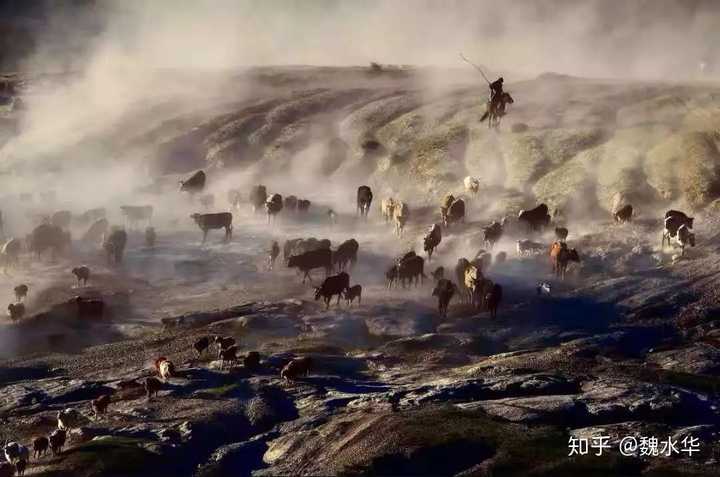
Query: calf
(353, 292)
(296, 368)
(493, 299)
(40, 446)
(444, 291)
(82, 274)
(16, 311)
(334, 285)
(312, 260)
(438, 274)
(345, 254)
(57, 440)
(152, 387)
(208, 222)
(21, 292)
(100, 405)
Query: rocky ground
(627, 345)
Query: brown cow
(208, 222)
(561, 256)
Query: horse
(496, 109)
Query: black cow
(444, 291)
(49, 237)
(114, 245)
(353, 292)
(493, 299)
(345, 253)
(561, 233)
(535, 219)
(273, 206)
(454, 213)
(364, 199)
(674, 219)
(303, 205)
(334, 285)
(309, 261)
(411, 269)
(432, 239)
(258, 196)
(208, 222)
(291, 203)
(492, 234)
(623, 214)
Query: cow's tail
(484, 116)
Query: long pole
(475, 66)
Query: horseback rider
(496, 91)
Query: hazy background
(642, 38)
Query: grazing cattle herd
(471, 284)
